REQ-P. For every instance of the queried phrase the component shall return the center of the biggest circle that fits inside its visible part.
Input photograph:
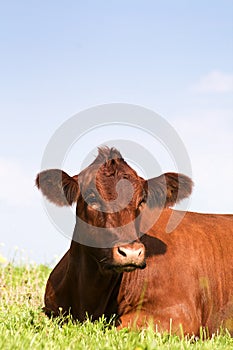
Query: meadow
(24, 326)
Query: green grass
(24, 326)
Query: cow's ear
(58, 187)
(168, 189)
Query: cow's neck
(97, 291)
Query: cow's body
(191, 283)
(188, 278)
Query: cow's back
(191, 281)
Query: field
(24, 326)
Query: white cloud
(16, 185)
(214, 81)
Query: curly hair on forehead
(105, 154)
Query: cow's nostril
(121, 252)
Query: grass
(24, 326)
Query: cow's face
(110, 197)
(110, 200)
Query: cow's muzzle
(129, 257)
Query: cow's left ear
(58, 187)
(168, 189)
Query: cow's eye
(141, 203)
(91, 200)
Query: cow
(123, 262)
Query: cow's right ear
(58, 187)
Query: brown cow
(171, 279)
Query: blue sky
(58, 58)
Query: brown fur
(58, 187)
(188, 278)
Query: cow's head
(110, 197)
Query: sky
(59, 58)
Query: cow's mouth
(128, 267)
